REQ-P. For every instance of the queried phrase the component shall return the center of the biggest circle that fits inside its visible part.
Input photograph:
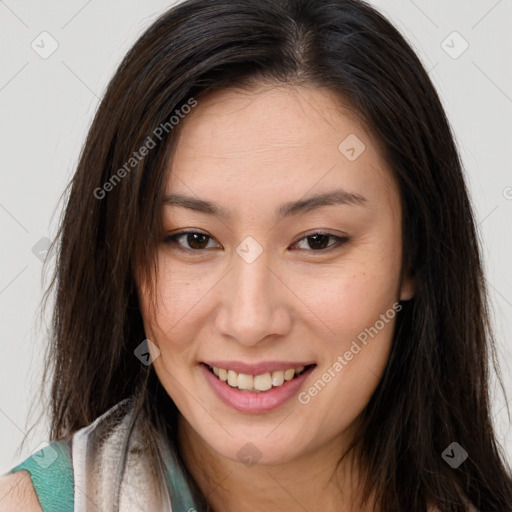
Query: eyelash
(339, 241)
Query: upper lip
(258, 368)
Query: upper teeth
(262, 382)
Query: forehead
(235, 123)
(275, 138)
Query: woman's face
(297, 264)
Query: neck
(312, 481)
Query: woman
(269, 292)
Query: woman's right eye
(195, 240)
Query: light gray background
(47, 106)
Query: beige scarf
(112, 471)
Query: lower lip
(250, 402)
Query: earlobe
(407, 289)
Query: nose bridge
(251, 310)
(252, 284)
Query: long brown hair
(434, 390)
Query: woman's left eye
(319, 241)
(198, 241)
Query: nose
(254, 306)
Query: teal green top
(51, 472)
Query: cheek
(361, 319)
(356, 301)
(179, 289)
(353, 364)
(360, 306)
(170, 325)
(352, 296)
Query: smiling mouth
(257, 383)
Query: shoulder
(40, 481)
(17, 493)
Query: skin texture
(17, 494)
(251, 152)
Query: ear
(408, 288)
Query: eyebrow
(336, 197)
